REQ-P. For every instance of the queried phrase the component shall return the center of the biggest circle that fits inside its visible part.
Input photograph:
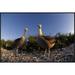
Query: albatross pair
(46, 42)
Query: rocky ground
(57, 55)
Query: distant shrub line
(62, 40)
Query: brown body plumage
(46, 41)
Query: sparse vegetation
(63, 40)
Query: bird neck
(24, 34)
(40, 33)
(23, 37)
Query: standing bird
(45, 42)
(18, 43)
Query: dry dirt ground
(57, 55)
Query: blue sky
(12, 25)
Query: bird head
(39, 26)
(26, 29)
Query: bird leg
(45, 52)
(17, 50)
(49, 53)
